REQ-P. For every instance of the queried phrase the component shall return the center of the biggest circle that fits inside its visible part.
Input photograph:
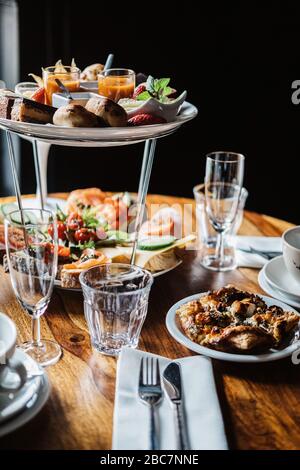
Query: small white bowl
(91, 86)
(60, 99)
(168, 111)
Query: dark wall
(237, 64)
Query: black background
(237, 61)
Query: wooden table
(260, 403)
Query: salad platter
(96, 228)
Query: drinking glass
(223, 184)
(26, 89)
(115, 305)
(116, 83)
(32, 261)
(69, 76)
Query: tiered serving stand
(43, 136)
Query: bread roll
(74, 115)
(112, 113)
(90, 73)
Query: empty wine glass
(31, 249)
(223, 183)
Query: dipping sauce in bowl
(70, 78)
(116, 83)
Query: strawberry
(145, 120)
(138, 90)
(39, 95)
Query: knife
(172, 384)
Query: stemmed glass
(223, 183)
(31, 249)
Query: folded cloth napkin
(203, 415)
(251, 260)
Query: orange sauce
(116, 87)
(52, 87)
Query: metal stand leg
(14, 169)
(38, 174)
(148, 157)
(41, 153)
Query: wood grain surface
(260, 403)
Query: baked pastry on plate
(237, 321)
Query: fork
(150, 393)
(265, 254)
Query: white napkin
(250, 260)
(203, 414)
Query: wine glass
(223, 183)
(31, 249)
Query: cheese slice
(153, 261)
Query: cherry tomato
(84, 235)
(74, 221)
(61, 230)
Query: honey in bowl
(70, 78)
(116, 83)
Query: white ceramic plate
(57, 283)
(175, 330)
(278, 277)
(262, 281)
(97, 137)
(51, 203)
(34, 405)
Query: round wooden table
(260, 403)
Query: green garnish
(118, 235)
(89, 218)
(156, 88)
(60, 215)
(85, 245)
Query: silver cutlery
(64, 89)
(172, 384)
(109, 61)
(265, 254)
(150, 393)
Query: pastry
(234, 320)
(26, 110)
(74, 115)
(112, 114)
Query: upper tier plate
(99, 137)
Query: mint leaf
(145, 95)
(150, 85)
(163, 82)
(167, 91)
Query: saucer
(279, 278)
(20, 407)
(262, 281)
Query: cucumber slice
(16, 218)
(155, 243)
(118, 235)
(32, 219)
(5, 209)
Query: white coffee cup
(13, 373)
(291, 252)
